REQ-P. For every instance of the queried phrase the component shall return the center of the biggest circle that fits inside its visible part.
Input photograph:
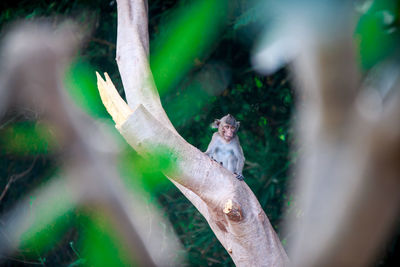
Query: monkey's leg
(232, 163)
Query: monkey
(225, 148)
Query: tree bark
(229, 206)
(348, 174)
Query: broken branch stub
(112, 101)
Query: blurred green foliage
(81, 84)
(183, 38)
(101, 245)
(377, 31)
(201, 65)
(47, 223)
(26, 137)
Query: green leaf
(100, 244)
(258, 82)
(27, 138)
(48, 215)
(184, 40)
(80, 81)
(377, 33)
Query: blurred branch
(23, 261)
(35, 57)
(104, 42)
(348, 172)
(15, 177)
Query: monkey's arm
(240, 162)
(211, 147)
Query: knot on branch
(233, 211)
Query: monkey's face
(227, 127)
(227, 131)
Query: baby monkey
(225, 147)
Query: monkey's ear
(215, 124)
(237, 125)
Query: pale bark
(34, 59)
(228, 205)
(349, 169)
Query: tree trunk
(228, 205)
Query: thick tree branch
(132, 59)
(229, 206)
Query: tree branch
(15, 177)
(229, 206)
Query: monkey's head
(227, 127)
